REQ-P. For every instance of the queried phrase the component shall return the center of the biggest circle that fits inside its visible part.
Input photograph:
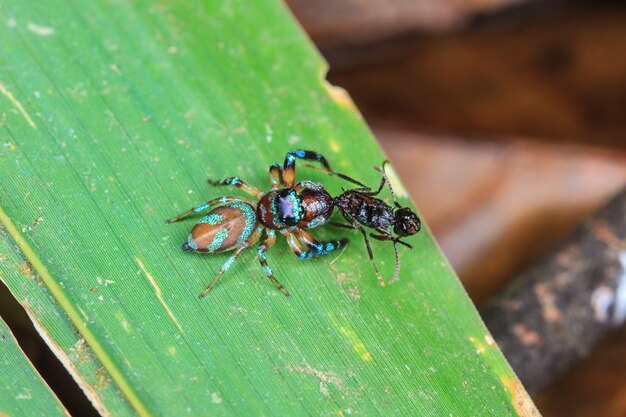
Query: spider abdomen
(222, 229)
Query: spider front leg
(230, 261)
(276, 173)
(262, 252)
(317, 248)
(289, 168)
(293, 243)
(207, 206)
(235, 181)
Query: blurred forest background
(506, 119)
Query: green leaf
(114, 114)
(22, 391)
(57, 330)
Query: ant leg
(208, 205)
(316, 247)
(289, 171)
(369, 252)
(373, 193)
(276, 173)
(393, 239)
(230, 261)
(245, 187)
(385, 234)
(408, 245)
(369, 249)
(261, 251)
(342, 225)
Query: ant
(361, 209)
(236, 223)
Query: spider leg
(293, 242)
(230, 261)
(276, 173)
(243, 186)
(362, 187)
(289, 171)
(209, 205)
(316, 247)
(261, 251)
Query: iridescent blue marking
(316, 222)
(191, 243)
(300, 153)
(201, 207)
(312, 184)
(274, 211)
(261, 252)
(306, 255)
(284, 207)
(217, 240)
(232, 180)
(324, 250)
(320, 249)
(228, 263)
(267, 270)
(250, 220)
(212, 219)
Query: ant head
(407, 222)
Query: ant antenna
(382, 172)
(397, 271)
